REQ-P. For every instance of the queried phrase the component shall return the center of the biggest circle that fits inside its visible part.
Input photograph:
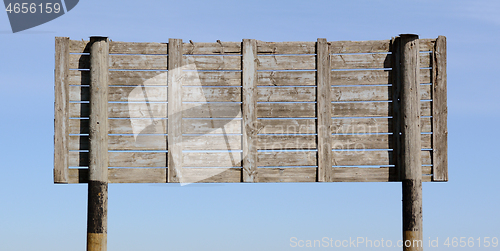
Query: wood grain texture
(123, 94)
(360, 61)
(123, 62)
(211, 94)
(286, 47)
(323, 108)
(284, 110)
(281, 142)
(372, 46)
(288, 78)
(123, 175)
(211, 126)
(440, 112)
(122, 110)
(280, 62)
(371, 77)
(286, 94)
(123, 159)
(371, 109)
(362, 158)
(305, 174)
(217, 48)
(371, 93)
(212, 159)
(371, 141)
(211, 110)
(249, 108)
(214, 62)
(175, 140)
(287, 158)
(212, 78)
(286, 126)
(212, 142)
(61, 110)
(371, 125)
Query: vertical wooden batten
(323, 107)
(411, 142)
(174, 143)
(439, 112)
(98, 141)
(61, 110)
(396, 105)
(249, 98)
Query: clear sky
(37, 215)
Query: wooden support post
(324, 110)
(174, 143)
(439, 112)
(411, 143)
(61, 110)
(98, 139)
(396, 105)
(249, 110)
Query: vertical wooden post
(324, 110)
(439, 112)
(174, 110)
(249, 142)
(98, 139)
(396, 105)
(61, 110)
(411, 143)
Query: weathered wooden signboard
(251, 111)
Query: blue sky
(35, 214)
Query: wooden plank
(362, 158)
(440, 112)
(81, 46)
(211, 110)
(396, 106)
(371, 109)
(287, 78)
(249, 109)
(211, 159)
(304, 174)
(371, 125)
(323, 108)
(287, 158)
(286, 126)
(211, 175)
(214, 62)
(371, 46)
(361, 61)
(371, 93)
(285, 94)
(277, 142)
(211, 126)
(175, 140)
(427, 44)
(353, 174)
(212, 78)
(212, 48)
(371, 77)
(283, 110)
(123, 94)
(123, 126)
(211, 94)
(277, 62)
(123, 159)
(123, 62)
(124, 175)
(123, 110)
(370, 141)
(61, 110)
(122, 142)
(286, 47)
(212, 142)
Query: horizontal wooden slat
(286, 47)
(122, 94)
(214, 62)
(123, 175)
(370, 93)
(211, 142)
(370, 125)
(123, 126)
(282, 110)
(370, 141)
(123, 142)
(425, 60)
(371, 109)
(382, 174)
(276, 142)
(211, 94)
(122, 47)
(286, 126)
(277, 78)
(360, 46)
(123, 62)
(212, 48)
(361, 158)
(284, 94)
(304, 174)
(211, 126)
(370, 77)
(426, 44)
(213, 78)
(211, 159)
(211, 110)
(287, 158)
(306, 62)
(123, 159)
(360, 61)
(211, 175)
(123, 110)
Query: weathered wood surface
(212, 78)
(211, 110)
(371, 93)
(371, 141)
(369, 61)
(123, 94)
(288, 78)
(382, 174)
(286, 94)
(219, 47)
(249, 109)
(123, 175)
(212, 142)
(211, 126)
(371, 77)
(285, 110)
(440, 112)
(287, 158)
(371, 125)
(276, 142)
(61, 110)
(214, 62)
(211, 94)
(279, 62)
(323, 108)
(371, 109)
(362, 158)
(123, 62)
(286, 47)
(212, 159)
(175, 139)
(286, 126)
(305, 174)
